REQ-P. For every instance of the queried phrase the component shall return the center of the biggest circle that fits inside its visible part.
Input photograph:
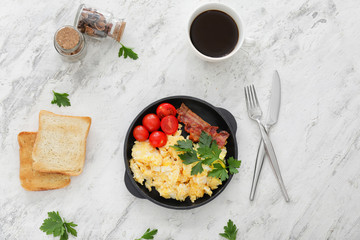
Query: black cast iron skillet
(213, 115)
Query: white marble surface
(315, 45)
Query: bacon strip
(194, 125)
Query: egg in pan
(163, 169)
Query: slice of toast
(60, 144)
(30, 179)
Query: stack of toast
(57, 151)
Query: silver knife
(273, 114)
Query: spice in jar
(99, 24)
(69, 43)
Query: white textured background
(315, 45)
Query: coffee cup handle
(249, 42)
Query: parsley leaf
(210, 154)
(189, 157)
(56, 226)
(205, 139)
(65, 236)
(61, 99)
(149, 234)
(230, 231)
(55, 216)
(127, 52)
(197, 168)
(53, 224)
(70, 229)
(233, 165)
(219, 172)
(208, 149)
(183, 145)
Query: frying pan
(213, 115)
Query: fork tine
(252, 96)
(246, 99)
(252, 101)
(257, 102)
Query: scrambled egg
(163, 169)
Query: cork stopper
(119, 30)
(69, 43)
(67, 38)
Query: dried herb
(96, 24)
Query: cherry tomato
(157, 139)
(165, 109)
(151, 122)
(140, 133)
(169, 124)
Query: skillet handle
(229, 117)
(131, 188)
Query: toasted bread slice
(30, 179)
(60, 144)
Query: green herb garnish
(58, 227)
(149, 234)
(127, 52)
(207, 153)
(233, 165)
(61, 99)
(219, 172)
(230, 231)
(184, 145)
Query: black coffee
(214, 33)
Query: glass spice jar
(98, 24)
(69, 43)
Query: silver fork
(255, 113)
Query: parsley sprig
(61, 99)
(149, 234)
(207, 153)
(230, 231)
(220, 171)
(127, 52)
(58, 227)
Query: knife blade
(272, 118)
(275, 100)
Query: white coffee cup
(242, 41)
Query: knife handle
(273, 160)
